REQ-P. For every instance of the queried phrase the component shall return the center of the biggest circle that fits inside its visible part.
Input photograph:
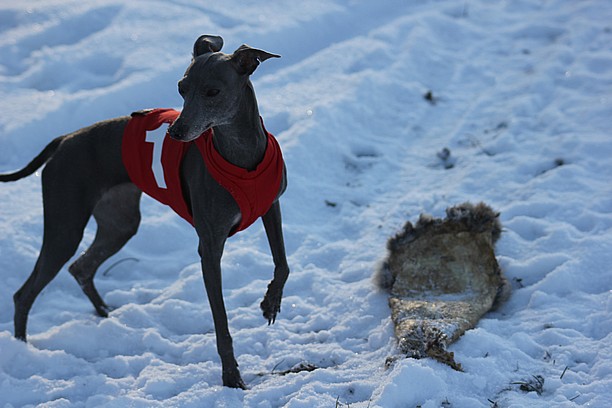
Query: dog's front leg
(273, 225)
(211, 269)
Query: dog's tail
(36, 162)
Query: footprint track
(19, 44)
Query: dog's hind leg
(64, 223)
(117, 214)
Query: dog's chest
(153, 159)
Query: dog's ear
(246, 59)
(207, 43)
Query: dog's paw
(270, 305)
(103, 310)
(232, 379)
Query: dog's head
(213, 85)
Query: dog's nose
(176, 130)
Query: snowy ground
(521, 94)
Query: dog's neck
(243, 142)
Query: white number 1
(157, 138)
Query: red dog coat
(152, 159)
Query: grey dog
(84, 175)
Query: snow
(521, 96)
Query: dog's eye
(212, 92)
